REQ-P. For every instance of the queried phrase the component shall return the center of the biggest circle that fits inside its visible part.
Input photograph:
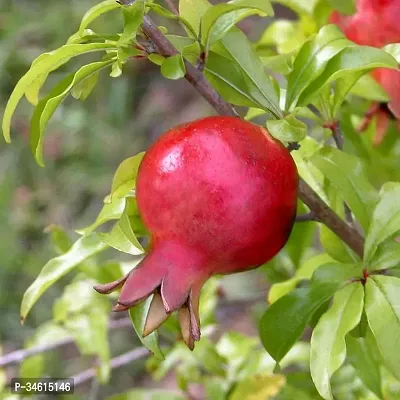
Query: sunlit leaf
(385, 221)
(288, 129)
(138, 315)
(173, 67)
(346, 174)
(95, 12)
(192, 11)
(56, 268)
(220, 18)
(133, 16)
(46, 107)
(364, 356)
(311, 61)
(328, 347)
(109, 212)
(382, 305)
(43, 65)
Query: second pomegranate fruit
(218, 195)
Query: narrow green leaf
(368, 88)
(305, 271)
(311, 61)
(346, 174)
(125, 177)
(138, 315)
(237, 47)
(169, 14)
(382, 305)
(44, 64)
(219, 19)
(133, 16)
(364, 356)
(56, 268)
(82, 90)
(95, 12)
(109, 212)
(289, 129)
(277, 335)
(328, 347)
(354, 60)
(387, 255)
(192, 11)
(173, 67)
(46, 107)
(385, 221)
(230, 82)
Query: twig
(324, 214)
(115, 362)
(306, 217)
(16, 357)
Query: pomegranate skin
(218, 195)
(222, 186)
(376, 23)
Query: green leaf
(169, 14)
(382, 305)
(347, 66)
(46, 107)
(156, 58)
(387, 255)
(138, 315)
(363, 355)
(133, 17)
(328, 347)
(192, 11)
(219, 19)
(300, 6)
(236, 46)
(228, 79)
(209, 358)
(394, 50)
(368, 88)
(264, 387)
(95, 12)
(125, 177)
(122, 237)
(42, 66)
(173, 67)
(285, 320)
(305, 271)
(109, 212)
(56, 268)
(311, 61)
(346, 174)
(82, 90)
(288, 129)
(146, 394)
(385, 221)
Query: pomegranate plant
(281, 181)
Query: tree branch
(115, 362)
(16, 357)
(323, 213)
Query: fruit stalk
(322, 211)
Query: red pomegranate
(377, 23)
(218, 195)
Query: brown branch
(115, 362)
(172, 6)
(16, 357)
(324, 214)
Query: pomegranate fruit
(218, 195)
(376, 23)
